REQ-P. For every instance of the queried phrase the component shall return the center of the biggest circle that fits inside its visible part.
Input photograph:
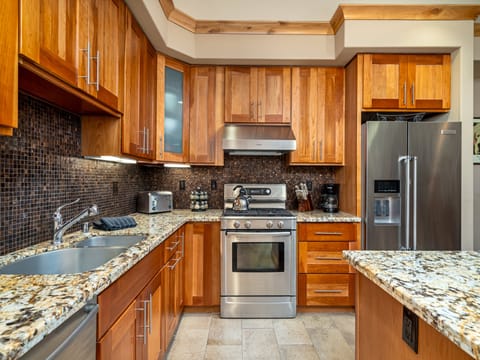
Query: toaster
(152, 202)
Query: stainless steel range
(258, 246)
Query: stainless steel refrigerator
(411, 195)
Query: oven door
(258, 263)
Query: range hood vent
(241, 139)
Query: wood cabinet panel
(318, 119)
(414, 82)
(9, 67)
(119, 341)
(202, 264)
(322, 257)
(206, 115)
(240, 94)
(326, 232)
(326, 289)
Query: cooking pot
(241, 201)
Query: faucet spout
(60, 228)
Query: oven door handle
(257, 233)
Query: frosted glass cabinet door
(173, 125)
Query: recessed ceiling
(282, 10)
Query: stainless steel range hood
(242, 139)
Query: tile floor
(310, 336)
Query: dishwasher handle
(91, 311)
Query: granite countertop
(34, 305)
(441, 287)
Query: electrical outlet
(181, 185)
(115, 188)
(410, 329)
(213, 184)
(309, 185)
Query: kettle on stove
(241, 202)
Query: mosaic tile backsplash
(41, 169)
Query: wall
(42, 169)
(240, 169)
(476, 168)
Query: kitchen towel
(115, 223)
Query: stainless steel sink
(110, 241)
(63, 261)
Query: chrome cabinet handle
(259, 110)
(175, 264)
(405, 93)
(87, 50)
(150, 307)
(145, 326)
(318, 291)
(328, 258)
(413, 93)
(414, 209)
(252, 104)
(406, 179)
(335, 233)
(175, 244)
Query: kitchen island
(441, 288)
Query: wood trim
(343, 12)
(476, 29)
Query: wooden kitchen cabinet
(101, 50)
(257, 94)
(324, 277)
(9, 68)
(206, 115)
(318, 119)
(139, 120)
(172, 110)
(406, 82)
(202, 264)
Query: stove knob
(269, 224)
(248, 224)
(280, 224)
(236, 224)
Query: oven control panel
(258, 224)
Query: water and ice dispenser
(386, 208)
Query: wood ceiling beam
(343, 12)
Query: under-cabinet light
(112, 159)
(176, 165)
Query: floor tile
(298, 352)
(260, 344)
(225, 331)
(290, 332)
(257, 324)
(223, 352)
(330, 344)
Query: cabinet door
(240, 94)
(138, 120)
(202, 264)
(206, 115)
(385, 81)
(48, 34)
(274, 93)
(331, 117)
(304, 115)
(172, 122)
(120, 340)
(9, 68)
(428, 82)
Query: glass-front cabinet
(172, 127)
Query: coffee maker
(329, 198)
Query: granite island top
(441, 287)
(32, 306)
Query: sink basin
(110, 241)
(63, 261)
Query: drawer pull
(328, 258)
(327, 291)
(174, 245)
(336, 233)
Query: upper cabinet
(413, 82)
(206, 115)
(139, 120)
(172, 111)
(9, 67)
(318, 120)
(101, 34)
(257, 94)
(48, 36)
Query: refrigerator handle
(406, 223)
(414, 208)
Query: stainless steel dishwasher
(75, 339)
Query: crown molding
(343, 12)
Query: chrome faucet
(59, 227)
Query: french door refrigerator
(411, 185)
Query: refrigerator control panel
(386, 186)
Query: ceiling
(283, 10)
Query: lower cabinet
(324, 277)
(139, 312)
(202, 264)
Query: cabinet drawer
(326, 290)
(322, 257)
(326, 232)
